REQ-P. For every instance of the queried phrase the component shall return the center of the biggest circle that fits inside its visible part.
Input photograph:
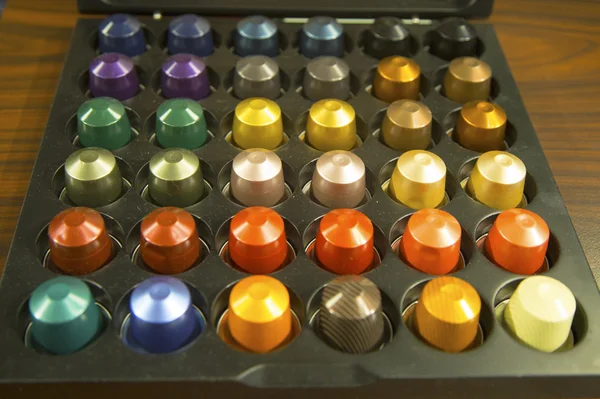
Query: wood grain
(553, 48)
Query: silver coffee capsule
(327, 77)
(256, 76)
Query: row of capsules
(259, 317)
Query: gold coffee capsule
(418, 180)
(397, 78)
(481, 126)
(468, 79)
(407, 126)
(498, 180)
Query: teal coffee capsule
(64, 315)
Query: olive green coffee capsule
(175, 178)
(92, 177)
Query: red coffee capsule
(344, 243)
(431, 241)
(518, 241)
(169, 242)
(257, 240)
(78, 240)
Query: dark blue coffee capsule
(190, 34)
(321, 36)
(121, 33)
(162, 318)
(256, 35)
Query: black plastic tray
(339, 8)
(406, 367)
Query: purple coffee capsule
(113, 75)
(184, 75)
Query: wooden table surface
(553, 48)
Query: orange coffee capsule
(344, 243)
(260, 317)
(518, 241)
(257, 240)
(169, 242)
(447, 314)
(431, 241)
(78, 240)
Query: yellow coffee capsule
(331, 125)
(498, 180)
(418, 180)
(257, 123)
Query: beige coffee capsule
(540, 313)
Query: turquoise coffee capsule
(180, 123)
(103, 122)
(64, 315)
